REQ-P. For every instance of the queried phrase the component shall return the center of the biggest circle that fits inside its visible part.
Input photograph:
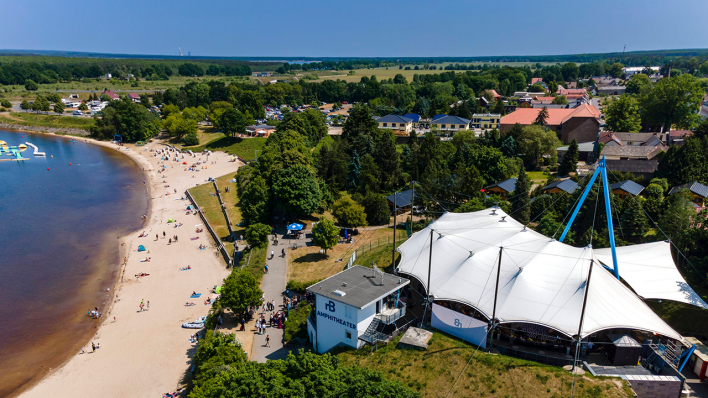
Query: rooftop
(633, 151)
(633, 165)
(628, 186)
(403, 199)
(507, 185)
(693, 186)
(447, 119)
(582, 147)
(568, 185)
(413, 116)
(394, 119)
(357, 286)
(556, 117)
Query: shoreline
(119, 267)
(54, 380)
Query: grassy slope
(202, 194)
(243, 147)
(433, 372)
(34, 119)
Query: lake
(60, 220)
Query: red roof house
(581, 123)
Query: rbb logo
(330, 306)
(458, 324)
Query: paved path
(273, 287)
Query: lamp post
(256, 153)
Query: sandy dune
(145, 354)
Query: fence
(223, 210)
(220, 246)
(402, 236)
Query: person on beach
(268, 340)
(157, 236)
(163, 234)
(93, 347)
(266, 268)
(148, 306)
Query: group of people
(94, 346)
(143, 306)
(94, 313)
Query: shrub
(191, 139)
(257, 234)
(299, 287)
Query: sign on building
(459, 325)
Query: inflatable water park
(15, 152)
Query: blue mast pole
(580, 203)
(608, 210)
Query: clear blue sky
(355, 28)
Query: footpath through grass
(35, 119)
(243, 147)
(433, 372)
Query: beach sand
(147, 353)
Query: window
(462, 126)
(393, 124)
(348, 311)
(442, 126)
(348, 335)
(385, 125)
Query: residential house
(503, 188)
(399, 124)
(494, 94)
(562, 186)
(676, 137)
(110, 95)
(403, 201)
(450, 123)
(485, 121)
(571, 85)
(586, 151)
(610, 138)
(610, 90)
(537, 80)
(698, 192)
(260, 130)
(626, 188)
(415, 118)
(134, 97)
(631, 70)
(108, 76)
(572, 94)
(581, 123)
(639, 160)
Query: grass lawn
(537, 176)
(308, 264)
(34, 119)
(207, 134)
(433, 372)
(209, 203)
(296, 326)
(253, 261)
(243, 147)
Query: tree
(5, 103)
(377, 210)
(191, 139)
(348, 213)
(615, 70)
(634, 222)
(353, 172)
(306, 375)
(232, 122)
(387, 159)
(520, 208)
(542, 117)
(177, 126)
(703, 69)
(24, 105)
(217, 350)
(144, 100)
(257, 235)
(131, 120)
(637, 83)
(499, 107)
(560, 100)
(254, 201)
(622, 115)
(31, 85)
(508, 147)
(675, 221)
(536, 88)
(570, 71)
(297, 190)
(360, 130)
(59, 107)
(40, 105)
(240, 291)
(672, 101)
(536, 141)
(570, 160)
(83, 107)
(325, 234)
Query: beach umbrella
(295, 227)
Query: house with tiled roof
(110, 95)
(400, 124)
(451, 123)
(698, 192)
(626, 188)
(639, 160)
(581, 123)
(494, 94)
(562, 186)
(134, 97)
(676, 137)
(503, 188)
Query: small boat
(198, 324)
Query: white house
(353, 307)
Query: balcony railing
(392, 314)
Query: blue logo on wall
(330, 306)
(458, 324)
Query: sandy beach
(147, 353)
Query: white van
(77, 113)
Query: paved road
(273, 287)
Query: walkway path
(273, 286)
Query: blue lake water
(60, 220)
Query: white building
(631, 70)
(353, 306)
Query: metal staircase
(371, 335)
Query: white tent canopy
(650, 270)
(542, 281)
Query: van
(77, 113)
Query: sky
(353, 28)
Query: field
(433, 372)
(209, 203)
(35, 119)
(307, 263)
(243, 147)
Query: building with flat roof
(485, 121)
(353, 308)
